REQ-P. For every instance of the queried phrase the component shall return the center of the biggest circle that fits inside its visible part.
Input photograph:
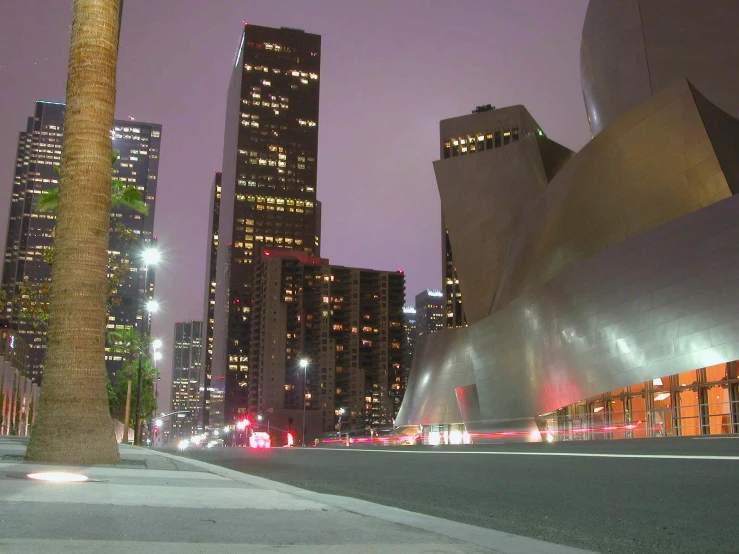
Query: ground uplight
(58, 477)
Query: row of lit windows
(262, 238)
(128, 129)
(291, 72)
(483, 141)
(273, 200)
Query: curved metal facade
(632, 49)
(615, 266)
(654, 164)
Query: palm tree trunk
(124, 440)
(73, 425)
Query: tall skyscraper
(30, 232)
(484, 129)
(429, 312)
(410, 328)
(347, 323)
(186, 374)
(268, 186)
(210, 309)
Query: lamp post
(341, 413)
(163, 416)
(156, 356)
(304, 364)
(151, 307)
(150, 256)
(260, 418)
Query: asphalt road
(626, 499)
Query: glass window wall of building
(699, 402)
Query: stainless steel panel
(621, 184)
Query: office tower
(410, 328)
(209, 316)
(30, 232)
(429, 312)
(268, 185)
(138, 146)
(347, 323)
(186, 374)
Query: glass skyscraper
(186, 371)
(30, 232)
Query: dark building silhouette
(268, 187)
(210, 308)
(30, 232)
(410, 327)
(429, 312)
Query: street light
(260, 418)
(341, 413)
(163, 416)
(156, 344)
(304, 364)
(150, 256)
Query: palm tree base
(68, 440)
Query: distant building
(429, 312)
(186, 374)
(410, 328)
(209, 314)
(347, 323)
(30, 232)
(268, 187)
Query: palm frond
(48, 201)
(130, 197)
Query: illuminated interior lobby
(599, 287)
(697, 402)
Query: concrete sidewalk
(157, 502)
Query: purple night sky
(390, 70)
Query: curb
(499, 541)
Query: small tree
(130, 344)
(119, 391)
